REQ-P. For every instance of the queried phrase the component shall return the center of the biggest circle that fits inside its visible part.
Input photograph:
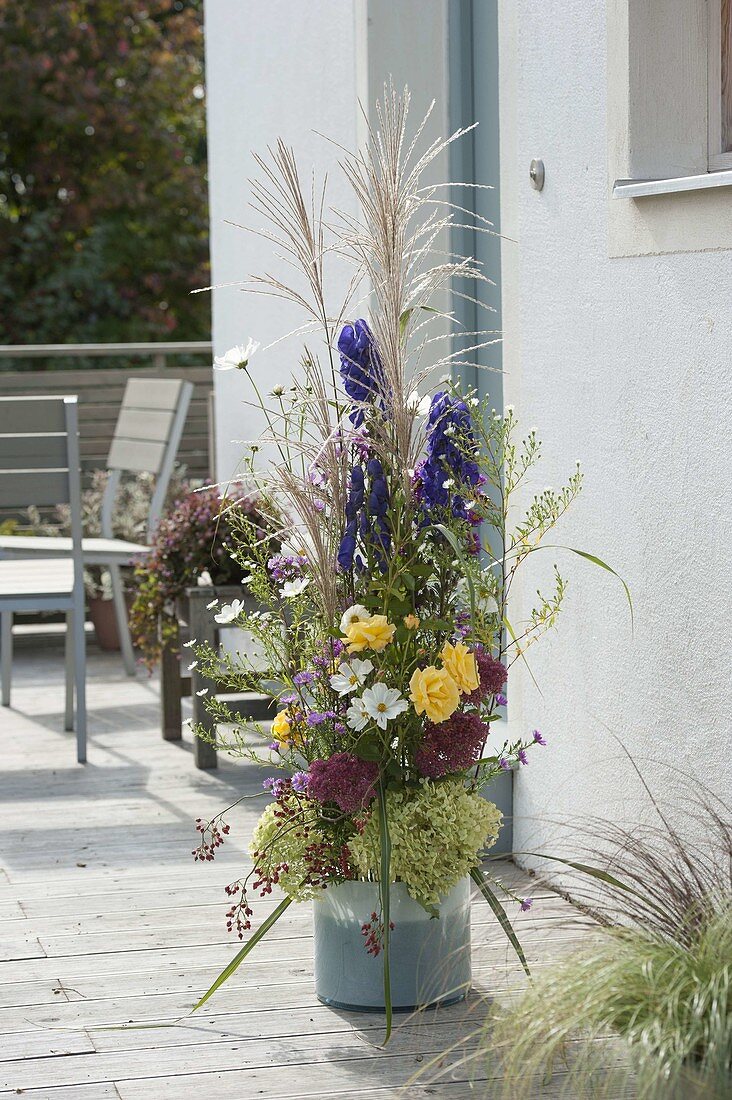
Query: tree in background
(103, 202)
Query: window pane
(726, 76)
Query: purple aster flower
(302, 678)
(526, 905)
(344, 779)
(288, 699)
(274, 746)
(300, 782)
(276, 787)
(523, 758)
(538, 738)
(501, 700)
(316, 718)
(505, 764)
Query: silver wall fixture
(536, 174)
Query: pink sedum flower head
(452, 746)
(492, 675)
(344, 779)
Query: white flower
(294, 588)
(383, 703)
(236, 358)
(210, 606)
(357, 613)
(204, 581)
(187, 645)
(229, 612)
(202, 692)
(192, 665)
(350, 675)
(357, 716)
(448, 484)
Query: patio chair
(39, 464)
(146, 439)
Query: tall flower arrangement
(384, 633)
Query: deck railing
(100, 391)
(155, 350)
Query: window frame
(718, 161)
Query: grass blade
(385, 892)
(599, 874)
(602, 565)
(248, 946)
(482, 883)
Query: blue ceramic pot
(430, 957)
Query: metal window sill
(638, 189)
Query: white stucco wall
(624, 363)
(287, 68)
(277, 69)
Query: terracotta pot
(101, 613)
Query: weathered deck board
(106, 922)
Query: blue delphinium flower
(366, 516)
(450, 461)
(354, 509)
(361, 368)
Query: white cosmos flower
(294, 588)
(357, 716)
(229, 612)
(236, 358)
(350, 675)
(357, 613)
(383, 703)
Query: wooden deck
(106, 921)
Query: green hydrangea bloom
(286, 842)
(436, 830)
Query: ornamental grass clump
(383, 635)
(646, 1009)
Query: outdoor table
(194, 619)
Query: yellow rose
(282, 729)
(281, 725)
(374, 633)
(434, 693)
(411, 622)
(460, 663)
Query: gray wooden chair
(146, 439)
(39, 464)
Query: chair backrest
(146, 439)
(39, 457)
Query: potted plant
(384, 626)
(193, 543)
